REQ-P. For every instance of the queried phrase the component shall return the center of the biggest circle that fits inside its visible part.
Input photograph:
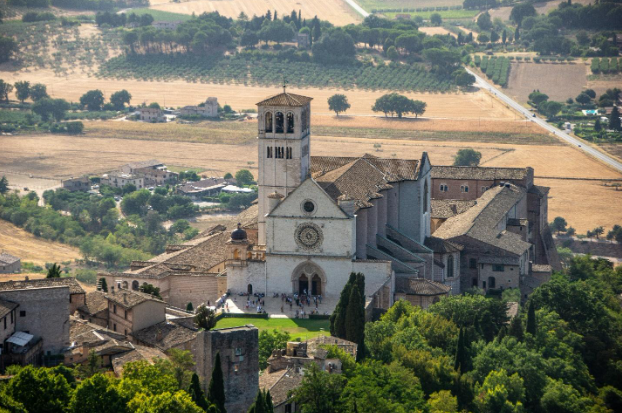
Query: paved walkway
(276, 307)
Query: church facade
(321, 218)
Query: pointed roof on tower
(286, 99)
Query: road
(544, 124)
(358, 8)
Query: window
(308, 206)
(22, 313)
(125, 314)
(290, 122)
(443, 188)
(464, 188)
(288, 408)
(289, 153)
(238, 351)
(114, 327)
(450, 266)
(114, 308)
(425, 197)
(303, 117)
(11, 317)
(279, 122)
(269, 152)
(491, 282)
(474, 282)
(125, 331)
(268, 122)
(4, 322)
(473, 263)
(498, 267)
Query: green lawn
(297, 328)
(445, 15)
(165, 16)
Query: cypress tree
(531, 319)
(189, 307)
(614, 119)
(216, 389)
(502, 333)
(516, 35)
(460, 352)
(516, 328)
(338, 317)
(103, 284)
(196, 393)
(269, 405)
(597, 125)
(355, 319)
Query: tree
(516, 35)
(249, 39)
(38, 91)
(5, 90)
(205, 318)
(22, 90)
(98, 393)
(355, 315)
(536, 97)
(46, 108)
(501, 393)
(590, 93)
(483, 38)
(520, 11)
(54, 271)
(467, 157)
(558, 225)
(319, 391)
(92, 100)
(484, 21)
(151, 290)
(460, 360)
(91, 367)
(103, 284)
(262, 404)
(464, 79)
(216, 389)
(4, 185)
(614, 119)
(392, 53)
(398, 104)
(196, 393)
(598, 231)
(334, 47)
(597, 125)
(120, 99)
(516, 328)
(166, 402)
(268, 342)
(436, 19)
(504, 37)
(494, 36)
(8, 46)
(189, 307)
(559, 397)
(583, 98)
(338, 317)
(181, 367)
(244, 177)
(531, 320)
(338, 103)
(550, 108)
(39, 390)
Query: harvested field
(431, 31)
(369, 5)
(503, 13)
(474, 105)
(29, 248)
(337, 12)
(600, 83)
(559, 81)
(75, 156)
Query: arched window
(268, 121)
(450, 266)
(125, 285)
(290, 122)
(279, 121)
(135, 285)
(236, 254)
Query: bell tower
(284, 147)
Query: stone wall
(199, 289)
(239, 358)
(43, 312)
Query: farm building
(204, 187)
(9, 264)
(152, 115)
(207, 110)
(120, 179)
(77, 184)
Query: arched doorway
(249, 289)
(135, 285)
(310, 277)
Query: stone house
(239, 358)
(179, 333)
(120, 179)
(152, 171)
(77, 184)
(204, 187)
(302, 40)
(9, 264)
(209, 109)
(95, 309)
(151, 115)
(77, 295)
(130, 311)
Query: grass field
(559, 81)
(445, 14)
(297, 328)
(164, 16)
(369, 5)
(335, 11)
(29, 248)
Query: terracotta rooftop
(286, 99)
(165, 335)
(94, 303)
(129, 299)
(6, 307)
(477, 172)
(8, 258)
(361, 179)
(447, 208)
(481, 221)
(442, 246)
(137, 354)
(74, 286)
(420, 286)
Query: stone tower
(284, 147)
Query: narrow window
(114, 308)
(466, 188)
(269, 152)
(498, 267)
(290, 122)
(279, 121)
(4, 322)
(22, 313)
(268, 121)
(114, 327)
(289, 153)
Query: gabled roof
(8, 258)
(280, 383)
(138, 353)
(307, 186)
(74, 286)
(286, 99)
(361, 179)
(165, 335)
(130, 299)
(94, 303)
(420, 286)
(447, 208)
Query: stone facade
(131, 311)
(239, 357)
(9, 264)
(44, 313)
(77, 184)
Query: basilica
(319, 218)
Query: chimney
(347, 204)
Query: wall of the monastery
(408, 209)
(392, 196)
(147, 314)
(193, 289)
(119, 319)
(46, 314)
(253, 274)
(377, 275)
(239, 358)
(120, 279)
